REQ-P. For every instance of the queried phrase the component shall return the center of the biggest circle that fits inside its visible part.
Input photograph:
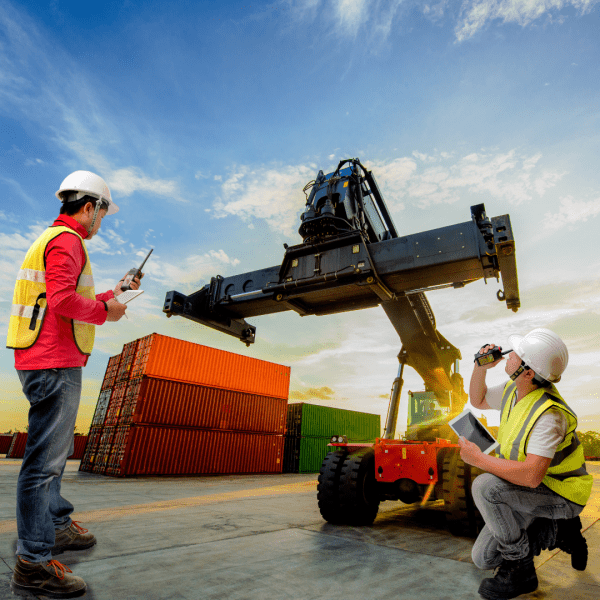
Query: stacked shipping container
(167, 406)
(309, 431)
(19, 441)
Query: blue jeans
(54, 396)
(508, 510)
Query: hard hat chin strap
(522, 367)
(96, 211)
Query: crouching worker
(537, 485)
(54, 311)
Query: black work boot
(512, 578)
(570, 540)
(73, 537)
(541, 534)
(51, 579)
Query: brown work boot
(73, 537)
(49, 578)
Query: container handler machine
(352, 257)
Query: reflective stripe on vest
(29, 300)
(566, 475)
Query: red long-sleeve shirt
(55, 347)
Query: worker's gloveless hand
(469, 451)
(484, 350)
(115, 310)
(135, 284)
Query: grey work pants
(508, 510)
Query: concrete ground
(262, 537)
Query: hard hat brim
(514, 341)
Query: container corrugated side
(17, 449)
(126, 364)
(325, 421)
(17, 446)
(312, 452)
(111, 372)
(155, 450)
(178, 360)
(117, 452)
(79, 444)
(294, 419)
(101, 407)
(5, 442)
(291, 453)
(91, 448)
(104, 448)
(165, 402)
(113, 411)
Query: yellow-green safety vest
(567, 475)
(29, 299)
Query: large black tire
(462, 515)
(328, 488)
(358, 488)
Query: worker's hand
(484, 350)
(469, 451)
(135, 284)
(115, 310)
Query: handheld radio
(133, 273)
(490, 356)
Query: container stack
(178, 408)
(19, 441)
(309, 431)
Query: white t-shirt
(549, 431)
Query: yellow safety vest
(567, 475)
(29, 299)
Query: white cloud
(570, 212)
(476, 14)
(25, 58)
(369, 20)
(275, 194)
(270, 193)
(507, 176)
(188, 274)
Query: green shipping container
(312, 453)
(325, 421)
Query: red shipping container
(17, 449)
(113, 411)
(111, 372)
(79, 442)
(5, 443)
(164, 357)
(178, 451)
(165, 402)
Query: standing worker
(54, 313)
(537, 485)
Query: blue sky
(207, 119)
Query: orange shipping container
(164, 357)
(153, 450)
(165, 402)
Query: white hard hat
(86, 183)
(543, 352)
